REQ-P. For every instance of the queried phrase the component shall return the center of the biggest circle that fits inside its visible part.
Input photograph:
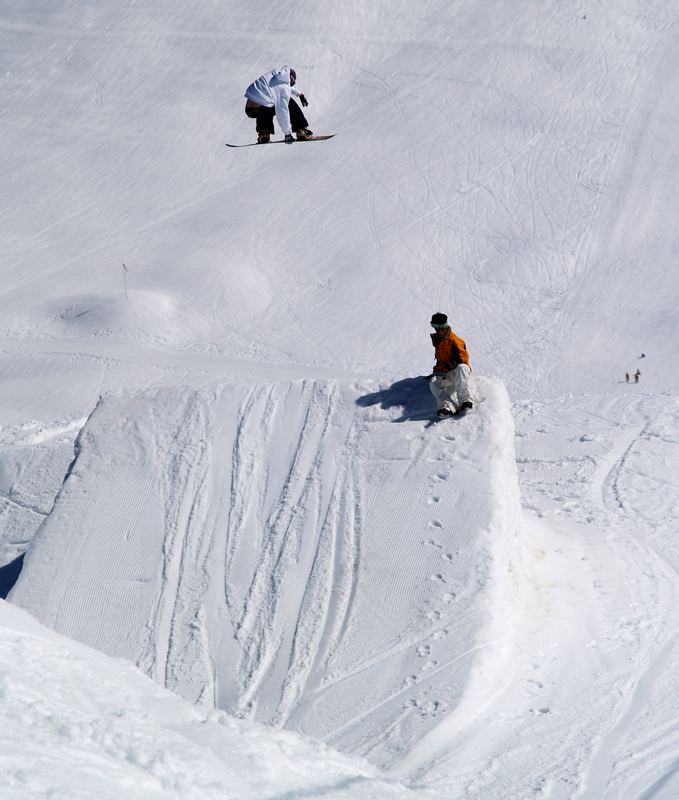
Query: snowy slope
(509, 166)
(220, 461)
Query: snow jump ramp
(288, 554)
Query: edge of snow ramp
(287, 553)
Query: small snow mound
(141, 315)
(99, 313)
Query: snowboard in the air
(282, 141)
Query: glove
(289, 139)
(303, 101)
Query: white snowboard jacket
(273, 89)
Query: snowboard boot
(446, 410)
(303, 133)
(263, 138)
(467, 404)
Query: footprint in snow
(432, 543)
(537, 683)
(429, 708)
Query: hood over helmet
(284, 74)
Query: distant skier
(627, 377)
(272, 95)
(637, 375)
(450, 382)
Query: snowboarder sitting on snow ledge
(271, 95)
(450, 382)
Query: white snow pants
(453, 388)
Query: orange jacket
(450, 351)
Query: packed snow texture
(217, 449)
(76, 723)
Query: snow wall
(311, 554)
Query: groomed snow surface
(220, 468)
(79, 724)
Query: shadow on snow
(411, 395)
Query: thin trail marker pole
(125, 280)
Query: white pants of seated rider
(452, 387)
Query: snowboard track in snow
(250, 522)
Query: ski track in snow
(599, 576)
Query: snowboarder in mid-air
(450, 382)
(272, 95)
